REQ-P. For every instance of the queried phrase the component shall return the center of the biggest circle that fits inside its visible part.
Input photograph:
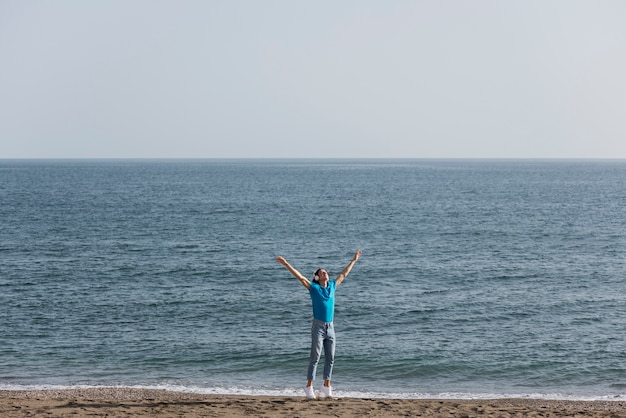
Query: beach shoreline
(126, 402)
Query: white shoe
(326, 392)
(309, 392)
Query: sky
(312, 79)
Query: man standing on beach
(322, 291)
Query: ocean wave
(338, 392)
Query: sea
(478, 279)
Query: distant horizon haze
(281, 79)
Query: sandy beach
(121, 402)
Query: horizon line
(316, 158)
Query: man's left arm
(347, 269)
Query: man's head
(321, 277)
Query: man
(322, 291)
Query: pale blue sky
(213, 79)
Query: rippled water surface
(501, 277)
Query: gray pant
(322, 335)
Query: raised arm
(347, 269)
(305, 282)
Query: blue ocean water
(478, 278)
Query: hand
(357, 255)
(281, 260)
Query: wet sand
(125, 402)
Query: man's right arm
(305, 282)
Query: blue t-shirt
(323, 299)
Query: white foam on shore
(291, 392)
